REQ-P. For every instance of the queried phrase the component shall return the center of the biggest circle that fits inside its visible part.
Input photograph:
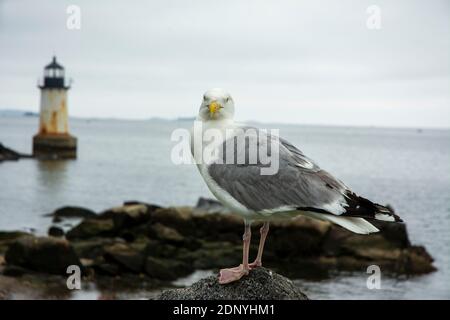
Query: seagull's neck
(200, 134)
(222, 124)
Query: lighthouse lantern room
(53, 139)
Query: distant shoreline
(17, 113)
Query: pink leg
(263, 231)
(234, 274)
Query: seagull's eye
(227, 99)
(205, 97)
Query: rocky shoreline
(11, 155)
(138, 243)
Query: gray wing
(299, 183)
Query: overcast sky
(309, 62)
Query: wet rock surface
(9, 237)
(11, 155)
(44, 254)
(210, 206)
(55, 231)
(90, 228)
(259, 284)
(72, 212)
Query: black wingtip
(364, 208)
(389, 210)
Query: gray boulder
(129, 215)
(73, 212)
(42, 254)
(90, 228)
(55, 231)
(125, 256)
(166, 269)
(260, 284)
(210, 206)
(9, 154)
(9, 237)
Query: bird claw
(232, 274)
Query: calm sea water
(130, 160)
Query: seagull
(299, 187)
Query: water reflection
(52, 175)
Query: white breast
(223, 196)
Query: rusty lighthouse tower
(53, 140)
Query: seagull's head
(217, 104)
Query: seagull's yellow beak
(214, 107)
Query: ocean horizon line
(17, 113)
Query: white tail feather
(356, 225)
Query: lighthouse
(53, 140)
